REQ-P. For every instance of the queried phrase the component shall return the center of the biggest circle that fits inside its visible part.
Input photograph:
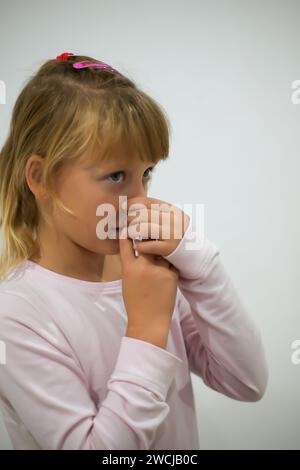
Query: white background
(223, 72)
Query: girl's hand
(149, 307)
(161, 222)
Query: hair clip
(64, 56)
(85, 64)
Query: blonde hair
(60, 114)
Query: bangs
(125, 120)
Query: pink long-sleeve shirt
(72, 380)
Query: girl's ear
(33, 175)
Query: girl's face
(83, 188)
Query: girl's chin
(113, 248)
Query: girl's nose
(136, 190)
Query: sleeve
(48, 389)
(223, 344)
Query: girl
(100, 344)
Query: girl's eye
(148, 176)
(151, 171)
(114, 174)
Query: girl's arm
(223, 344)
(45, 385)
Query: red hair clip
(64, 56)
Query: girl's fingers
(155, 247)
(125, 245)
(144, 216)
(173, 225)
(150, 231)
(127, 250)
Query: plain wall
(223, 72)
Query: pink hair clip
(84, 64)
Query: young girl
(99, 343)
